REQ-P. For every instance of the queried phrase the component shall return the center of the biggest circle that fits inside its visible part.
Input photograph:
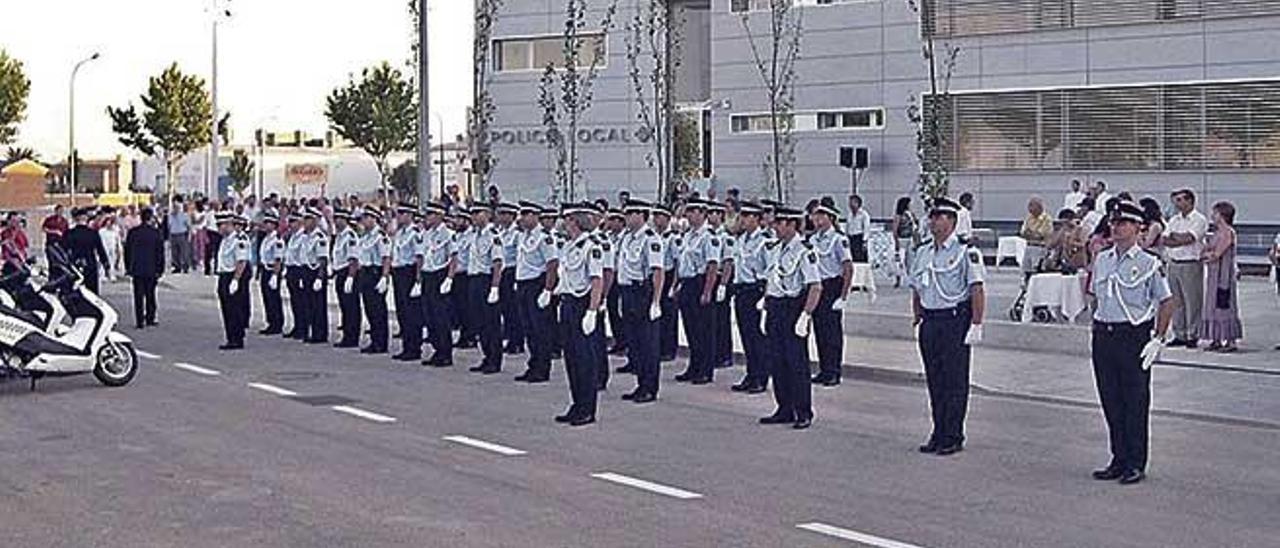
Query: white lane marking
(197, 369)
(367, 415)
(273, 389)
(147, 355)
(862, 538)
(480, 444)
(647, 485)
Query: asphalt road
(206, 449)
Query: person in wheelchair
(1065, 251)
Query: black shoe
(538, 379)
(802, 424)
(629, 396)
(566, 418)
(646, 397)
(1176, 343)
(820, 378)
(138, 326)
(726, 364)
(402, 357)
(757, 389)
(153, 323)
(777, 419)
(269, 331)
(950, 449)
(625, 369)
(231, 346)
(476, 369)
(490, 370)
(684, 377)
(830, 382)
(742, 386)
(346, 345)
(523, 377)
(1132, 476)
(582, 420)
(1110, 473)
(928, 448)
(372, 350)
(437, 363)
(317, 341)
(1191, 345)
(700, 381)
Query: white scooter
(40, 345)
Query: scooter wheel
(116, 365)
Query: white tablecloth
(1059, 291)
(1010, 246)
(880, 251)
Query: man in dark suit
(144, 262)
(85, 247)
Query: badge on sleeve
(596, 254)
(975, 256)
(715, 242)
(813, 257)
(655, 247)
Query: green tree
(404, 180)
(376, 112)
(241, 171)
(176, 119)
(19, 154)
(14, 88)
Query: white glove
(720, 293)
(974, 336)
(589, 322)
(544, 299)
(317, 285)
(760, 304)
(802, 325)
(764, 321)
(493, 296)
(446, 286)
(235, 286)
(838, 305)
(655, 312)
(274, 282)
(416, 291)
(349, 285)
(1151, 352)
(382, 285)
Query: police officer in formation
(374, 256)
(667, 323)
(581, 291)
(439, 268)
(835, 266)
(406, 283)
(271, 252)
(793, 290)
(724, 287)
(548, 218)
(698, 271)
(749, 280)
(484, 270)
(234, 274)
(513, 335)
(1134, 307)
(535, 272)
(293, 277)
(345, 261)
(600, 218)
(464, 315)
(640, 278)
(610, 232)
(948, 301)
(315, 278)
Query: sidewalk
(1185, 383)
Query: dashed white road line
(647, 486)
(147, 355)
(367, 415)
(197, 369)
(486, 446)
(855, 536)
(273, 389)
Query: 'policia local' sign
(595, 135)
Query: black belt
(1186, 261)
(953, 312)
(1122, 327)
(752, 285)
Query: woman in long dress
(1220, 324)
(112, 240)
(906, 236)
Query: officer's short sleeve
(977, 270)
(809, 273)
(242, 250)
(730, 250)
(386, 246)
(844, 255)
(1159, 288)
(912, 277)
(712, 248)
(550, 251)
(497, 253)
(655, 251)
(595, 262)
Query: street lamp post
(424, 107)
(211, 179)
(440, 126)
(71, 161)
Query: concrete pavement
(181, 458)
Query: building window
(1178, 127)
(976, 17)
(739, 6)
(536, 53)
(851, 119)
(756, 123)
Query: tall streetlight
(71, 162)
(440, 126)
(211, 178)
(424, 107)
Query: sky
(278, 60)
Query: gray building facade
(1147, 95)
